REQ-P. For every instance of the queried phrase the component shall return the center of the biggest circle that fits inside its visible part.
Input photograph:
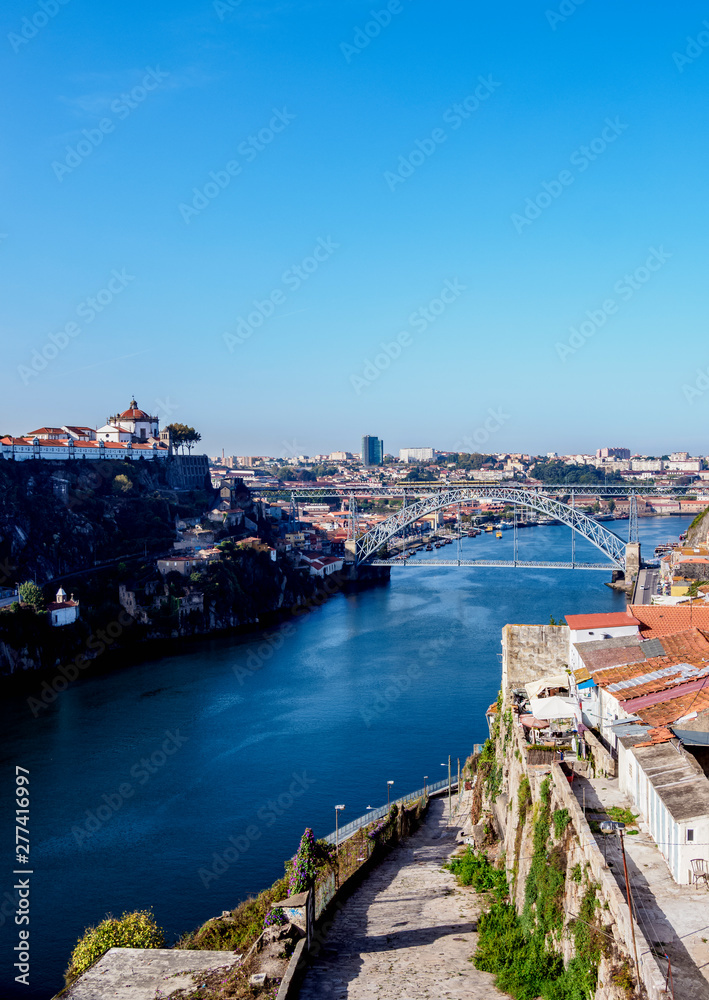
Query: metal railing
(369, 817)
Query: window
(690, 836)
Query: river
(140, 776)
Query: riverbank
(370, 686)
(43, 653)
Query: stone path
(407, 932)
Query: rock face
(57, 518)
(698, 531)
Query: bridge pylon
(632, 563)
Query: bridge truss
(369, 544)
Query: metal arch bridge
(607, 541)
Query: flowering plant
(275, 918)
(304, 869)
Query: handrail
(344, 832)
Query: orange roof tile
(660, 620)
(667, 712)
(617, 619)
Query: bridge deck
(516, 564)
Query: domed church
(132, 426)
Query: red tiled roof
(613, 619)
(660, 620)
(663, 713)
(134, 414)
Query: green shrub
(521, 964)
(133, 930)
(244, 927)
(561, 820)
(524, 797)
(622, 815)
(474, 868)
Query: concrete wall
(532, 651)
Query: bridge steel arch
(607, 541)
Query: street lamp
(389, 784)
(337, 846)
(610, 826)
(449, 789)
(425, 779)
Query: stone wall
(532, 651)
(515, 830)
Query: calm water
(372, 687)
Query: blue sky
(573, 183)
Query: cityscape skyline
(234, 197)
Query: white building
(671, 792)
(596, 627)
(416, 454)
(131, 435)
(63, 611)
(133, 424)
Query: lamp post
(425, 779)
(449, 789)
(389, 784)
(337, 845)
(610, 826)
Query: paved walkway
(408, 932)
(674, 918)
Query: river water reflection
(143, 778)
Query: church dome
(134, 413)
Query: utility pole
(630, 907)
(449, 789)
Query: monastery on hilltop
(132, 434)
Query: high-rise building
(416, 454)
(372, 451)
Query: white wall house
(63, 611)
(26, 449)
(671, 793)
(595, 628)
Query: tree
(122, 484)
(184, 436)
(32, 594)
